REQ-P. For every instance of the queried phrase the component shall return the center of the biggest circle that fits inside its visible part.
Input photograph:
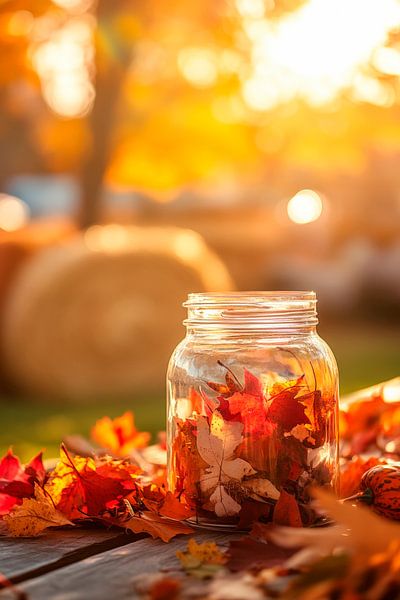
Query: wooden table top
(85, 564)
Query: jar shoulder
(286, 358)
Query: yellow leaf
(201, 560)
(207, 552)
(34, 515)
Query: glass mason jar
(252, 410)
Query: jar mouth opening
(252, 297)
(253, 309)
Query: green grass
(31, 426)
(364, 356)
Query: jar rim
(252, 309)
(246, 297)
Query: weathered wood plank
(21, 558)
(111, 574)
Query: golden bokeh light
(251, 8)
(387, 60)
(74, 5)
(314, 53)
(20, 23)
(14, 213)
(108, 238)
(305, 207)
(198, 66)
(64, 64)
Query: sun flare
(316, 51)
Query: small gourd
(380, 487)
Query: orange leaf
(166, 588)
(196, 400)
(156, 526)
(119, 435)
(286, 511)
(350, 477)
(174, 508)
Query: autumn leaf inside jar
(252, 410)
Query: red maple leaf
(251, 411)
(252, 385)
(17, 481)
(286, 410)
(79, 487)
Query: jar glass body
(251, 420)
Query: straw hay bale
(17, 246)
(101, 314)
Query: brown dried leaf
(157, 527)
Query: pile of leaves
(119, 480)
(114, 486)
(369, 433)
(358, 559)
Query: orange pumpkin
(381, 489)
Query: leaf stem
(221, 364)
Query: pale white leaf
(259, 489)
(216, 444)
(224, 504)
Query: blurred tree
(18, 84)
(152, 95)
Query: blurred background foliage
(152, 148)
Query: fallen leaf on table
(81, 486)
(319, 582)
(156, 586)
(201, 560)
(312, 543)
(370, 533)
(235, 587)
(359, 530)
(157, 527)
(17, 481)
(119, 435)
(248, 554)
(34, 515)
(286, 511)
(173, 508)
(363, 561)
(166, 588)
